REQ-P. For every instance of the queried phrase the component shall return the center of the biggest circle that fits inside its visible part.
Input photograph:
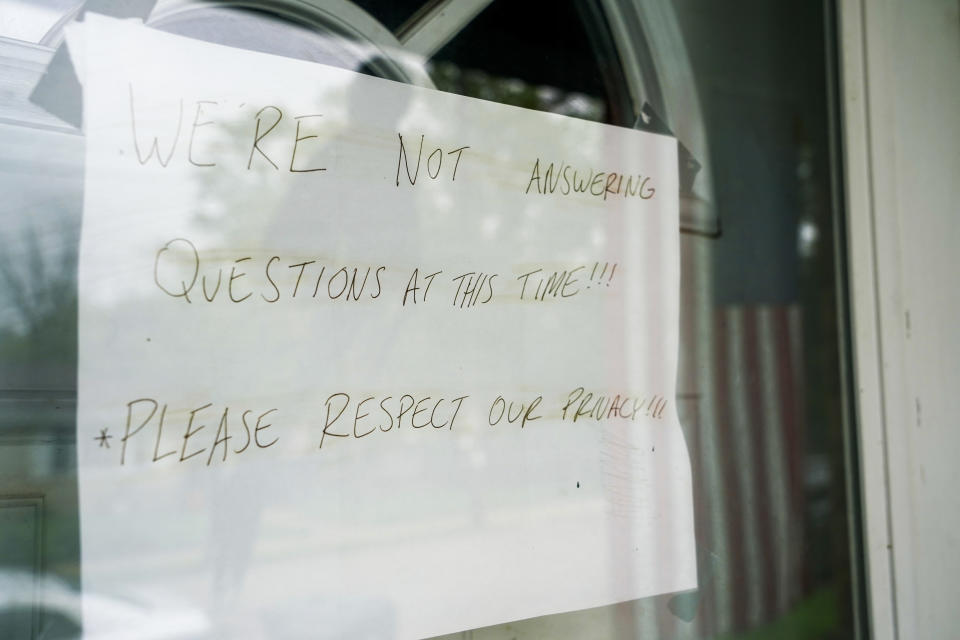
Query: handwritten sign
(359, 359)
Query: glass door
(763, 381)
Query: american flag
(740, 399)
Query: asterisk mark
(103, 438)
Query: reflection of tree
(39, 295)
(477, 84)
(229, 194)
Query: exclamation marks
(655, 407)
(603, 278)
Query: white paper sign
(364, 360)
